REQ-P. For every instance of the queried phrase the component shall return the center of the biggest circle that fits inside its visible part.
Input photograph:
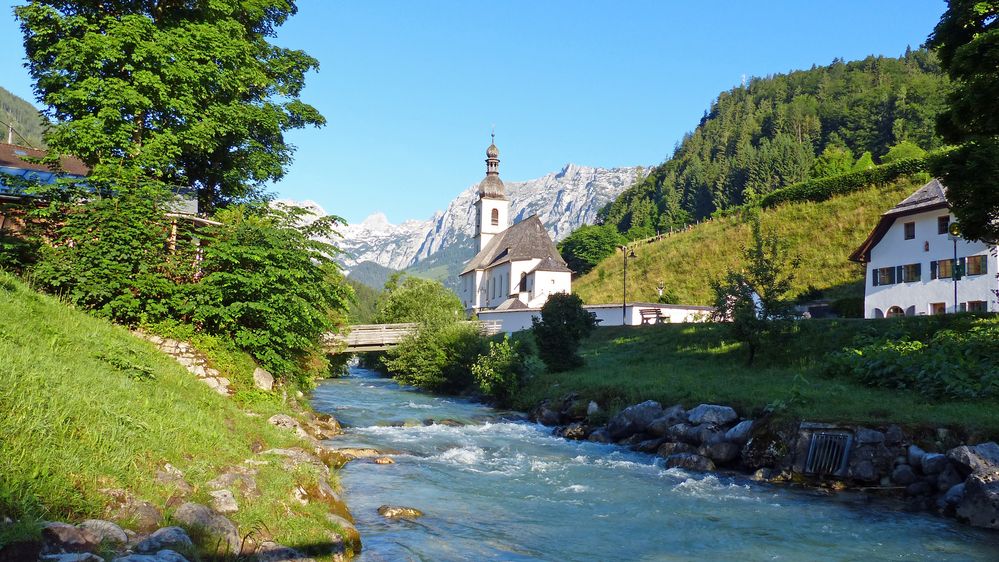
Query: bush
(500, 373)
(413, 299)
(904, 150)
(437, 358)
(588, 245)
(951, 364)
(563, 325)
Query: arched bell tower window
(494, 217)
(523, 282)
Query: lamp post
(624, 301)
(954, 232)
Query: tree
(904, 150)
(588, 245)
(833, 161)
(967, 41)
(563, 325)
(271, 286)
(188, 94)
(865, 162)
(413, 299)
(755, 299)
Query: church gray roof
(525, 240)
(511, 303)
(551, 264)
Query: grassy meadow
(86, 406)
(823, 234)
(696, 363)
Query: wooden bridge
(379, 337)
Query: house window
(978, 306)
(942, 269)
(910, 230)
(912, 273)
(494, 217)
(895, 312)
(976, 265)
(938, 308)
(943, 223)
(884, 276)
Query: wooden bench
(653, 316)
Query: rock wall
(960, 481)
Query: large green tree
(587, 245)
(967, 43)
(189, 94)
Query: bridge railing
(379, 337)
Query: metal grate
(828, 454)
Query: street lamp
(624, 301)
(954, 232)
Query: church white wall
(927, 245)
(496, 282)
(548, 283)
(483, 212)
(608, 315)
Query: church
(517, 266)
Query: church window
(523, 282)
(495, 217)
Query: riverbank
(99, 424)
(697, 363)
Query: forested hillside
(27, 122)
(783, 129)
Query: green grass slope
(822, 233)
(86, 406)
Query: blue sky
(411, 89)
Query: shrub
(563, 325)
(437, 358)
(412, 299)
(500, 373)
(904, 150)
(588, 245)
(951, 364)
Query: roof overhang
(863, 253)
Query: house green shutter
(933, 269)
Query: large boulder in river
(634, 419)
(689, 461)
(713, 414)
(739, 434)
(669, 417)
(980, 504)
(721, 452)
(977, 459)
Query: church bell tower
(492, 209)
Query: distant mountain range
(439, 246)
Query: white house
(910, 261)
(517, 267)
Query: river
(499, 488)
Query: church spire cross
(492, 156)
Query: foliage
(833, 161)
(438, 357)
(501, 372)
(587, 245)
(865, 162)
(364, 305)
(271, 286)
(826, 187)
(755, 300)
(765, 135)
(563, 325)
(905, 150)
(29, 125)
(668, 296)
(110, 255)
(203, 101)
(412, 299)
(967, 41)
(958, 364)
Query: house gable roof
(931, 196)
(12, 156)
(525, 240)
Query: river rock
(903, 475)
(649, 445)
(670, 417)
(105, 531)
(284, 421)
(295, 457)
(263, 380)
(65, 537)
(592, 408)
(739, 434)
(894, 436)
(325, 426)
(65, 557)
(949, 478)
(223, 501)
(144, 516)
(171, 476)
(864, 471)
(575, 430)
(634, 419)
(722, 452)
(670, 448)
(545, 414)
(347, 532)
(689, 461)
(919, 488)
(237, 477)
(165, 555)
(399, 512)
(867, 436)
(383, 460)
(954, 495)
(934, 463)
(711, 413)
(214, 525)
(914, 455)
(980, 504)
(600, 435)
(977, 459)
(171, 538)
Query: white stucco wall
(511, 320)
(483, 215)
(547, 283)
(608, 315)
(894, 250)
